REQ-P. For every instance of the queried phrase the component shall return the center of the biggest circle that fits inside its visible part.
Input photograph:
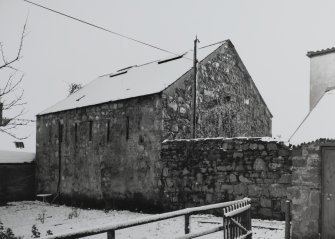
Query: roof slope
(27, 132)
(133, 82)
(16, 157)
(319, 123)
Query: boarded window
(90, 131)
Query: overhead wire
(118, 34)
(102, 28)
(121, 35)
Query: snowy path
(21, 216)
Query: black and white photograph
(171, 119)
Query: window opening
(127, 128)
(108, 130)
(60, 132)
(75, 132)
(90, 130)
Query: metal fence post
(187, 223)
(249, 222)
(288, 219)
(224, 224)
(111, 234)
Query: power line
(212, 44)
(102, 28)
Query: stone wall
(17, 182)
(204, 171)
(106, 152)
(228, 102)
(305, 192)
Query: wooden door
(328, 192)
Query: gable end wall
(229, 104)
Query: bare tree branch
(13, 135)
(11, 96)
(11, 85)
(12, 119)
(18, 55)
(15, 102)
(2, 53)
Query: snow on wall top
(16, 157)
(262, 139)
(128, 83)
(319, 123)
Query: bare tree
(11, 96)
(74, 87)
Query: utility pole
(194, 88)
(1, 110)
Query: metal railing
(236, 222)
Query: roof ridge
(320, 52)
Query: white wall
(322, 76)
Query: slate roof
(320, 52)
(131, 82)
(319, 123)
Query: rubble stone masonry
(204, 171)
(305, 192)
(106, 153)
(228, 102)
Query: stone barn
(102, 144)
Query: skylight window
(117, 74)
(19, 145)
(170, 59)
(80, 98)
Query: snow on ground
(21, 216)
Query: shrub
(74, 213)
(35, 232)
(6, 234)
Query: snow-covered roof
(131, 82)
(16, 157)
(28, 132)
(319, 123)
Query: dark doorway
(328, 193)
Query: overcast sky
(271, 37)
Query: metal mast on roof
(194, 87)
